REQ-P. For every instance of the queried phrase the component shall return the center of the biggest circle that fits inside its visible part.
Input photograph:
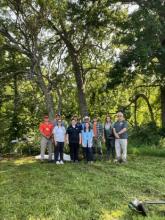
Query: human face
(87, 125)
(59, 122)
(46, 119)
(108, 119)
(73, 122)
(120, 116)
(95, 120)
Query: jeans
(59, 148)
(110, 145)
(88, 153)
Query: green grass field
(31, 190)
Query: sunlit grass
(31, 190)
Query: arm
(116, 134)
(67, 138)
(80, 138)
(54, 136)
(122, 131)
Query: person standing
(86, 120)
(73, 139)
(87, 142)
(78, 121)
(59, 132)
(109, 138)
(98, 138)
(121, 136)
(46, 129)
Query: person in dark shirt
(73, 139)
(120, 128)
(109, 138)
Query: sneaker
(57, 162)
(61, 162)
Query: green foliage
(146, 134)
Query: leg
(124, 149)
(84, 152)
(43, 147)
(71, 151)
(50, 149)
(61, 149)
(76, 150)
(99, 148)
(87, 153)
(94, 148)
(90, 154)
(56, 152)
(108, 148)
(118, 149)
(112, 148)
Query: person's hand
(103, 140)
(55, 143)
(117, 136)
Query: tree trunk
(80, 90)
(149, 106)
(59, 109)
(135, 116)
(49, 104)
(47, 93)
(162, 99)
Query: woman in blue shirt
(87, 141)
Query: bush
(145, 135)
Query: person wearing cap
(46, 129)
(86, 120)
(59, 133)
(98, 132)
(120, 131)
(73, 138)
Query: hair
(107, 117)
(85, 126)
(121, 113)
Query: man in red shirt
(46, 129)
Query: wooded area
(81, 57)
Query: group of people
(90, 135)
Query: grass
(31, 190)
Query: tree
(144, 48)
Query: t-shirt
(59, 133)
(73, 133)
(46, 129)
(119, 125)
(108, 131)
(95, 129)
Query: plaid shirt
(100, 130)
